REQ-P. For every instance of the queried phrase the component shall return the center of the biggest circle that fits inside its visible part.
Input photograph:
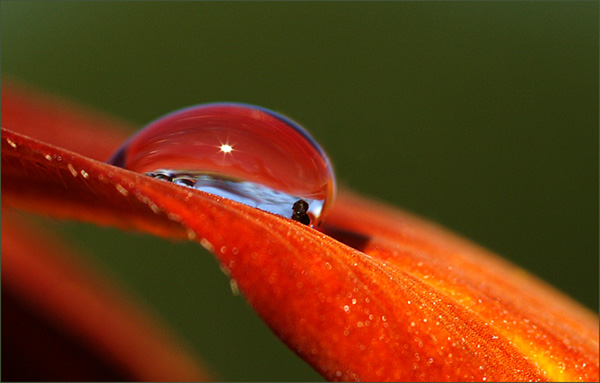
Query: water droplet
(242, 152)
(235, 290)
(72, 170)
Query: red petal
(62, 321)
(471, 304)
(417, 303)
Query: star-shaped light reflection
(226, 148)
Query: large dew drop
(242, 152)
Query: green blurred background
(480, 116)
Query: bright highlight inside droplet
(226, 148)
(242, 152)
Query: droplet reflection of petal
(264, 159)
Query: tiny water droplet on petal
(235, 290)
(242, 152)
(207, 245)
(191, 235)
(122, 190)
(72, 170)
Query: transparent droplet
(242, 152)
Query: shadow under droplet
(355, 240)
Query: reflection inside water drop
(248, 193)
(242, 152)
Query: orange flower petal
(63, 321)
(409, 302)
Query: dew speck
(241, 152)
(11, 143)
(207, 245)
(174, 217)
(125, 193)
(224, 270)
(72, 170)
(155, 209)
(234, 287)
